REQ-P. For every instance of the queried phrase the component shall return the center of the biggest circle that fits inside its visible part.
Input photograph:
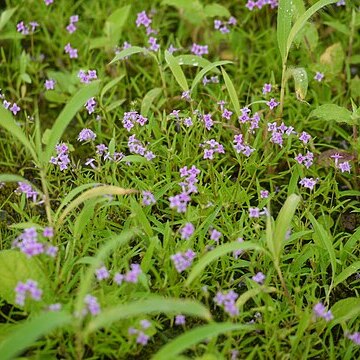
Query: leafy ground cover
(179, 179)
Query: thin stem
(282, 90)
(47, 198)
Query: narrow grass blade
(301, 21)
(350, 270)
(149, 306)
(90, 194)
(9, 124)
(282, 223)
(6, 16)
(205, 70)
(149, 99)
(195, 336)
(66, 115)
(350, 244)
(216, 254)
(232, 92)
(26, 334)
(128, 52)
(176, 70)
(250, 294)
(283, 26)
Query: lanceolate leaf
(283, 26)
(332, 112)
(128, 52)
(176, 70)
(232, 92)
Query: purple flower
(304, 137)
(266, 88)
(27, 189)
(264, 194)
(355, 337)
(132, 275)
(228, 302)
(319, 76)
(118, 278)
(73, 54)
(272, 104)
(254, 212)
(55, 307)
(183, 260)
(171, 49)
(74, 18)
(259, 278)
(14, 108)
(180, 320)
(143, 19)
(215, 235)
(145, 324)
(86, 135)
(188, 122)
(90, 105)
(199, 50)
(48, 232)
(226, 114)
(142, 338)
(62, 158)
(148, 198)
(102, 273)
(344, 166)
(50, 84)
(208, 122)
(308, 182)
(153, 44)
(187, 230)
(48, 2)
(319, 310)
(71, 28)
(29, 288)
(92, 305)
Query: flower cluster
(222, 26)
(259, 4)
(29, 288)
(141, 338)
(62, 158)
(90, 105)
(154, 46)
(102, 150)
(27, 189)
(241, 147)
(130, 276)
(73, 53)
(228, 302)
(212, 147)
(319, 311)
(308, 183)
(344, 166)
(26, 29)
(306, 159)
(86, 135)
(199, 50)
(87, 77)
(72, 27)
(188, 187)
(132, 117)
(148, 198)
(187, 230)
(355, 337)
(208, 122)
(211, 80)
(28, 243)
(102, 273)
(136, 147)
(182, 260)
(145, 20)
(259, 278)
(92, 305)
(278, 132)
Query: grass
(273, 233)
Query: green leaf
(115, 23)
(134, 159)
(299, 24)
(193, 60)
(332, 59)
(90, 194)
(15, 266)
(197, 335)
(149, 99)
(252, 293)
(283, 26)
(6, 16)
(110, 85)
(345, 309)
(301, 81)
(218, 252)
(191, 10)
(205, 70)
(282, 224)
(332, 112)
(337, 25)
(153, 305)
(232, 92)
(23, 336)
(9, 124)
(128, 52)
(216, 10)
(176, 70)
(352, 269)
(67, 114)
(17, 178)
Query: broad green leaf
(6, 16)
(134, 159)
(90, 194)
(282, 223)
(153, 305)
(15, 266)
(350, 270)
(284, 17)
(232, 92)
(332, 59)
(337, 25)
(345, 309)
(205, 70)
(301, 81)
(75, 104)
(9, 124)
(197, 335)
(300, 22)
(191, 10)
(332, 112)
(217, 253)
(176, 70)
(141, 218)
(128, 52)
(24, 335)
(149, 99)
(216, 10)
(115, 23)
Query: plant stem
(47, 198)
(282, 90)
